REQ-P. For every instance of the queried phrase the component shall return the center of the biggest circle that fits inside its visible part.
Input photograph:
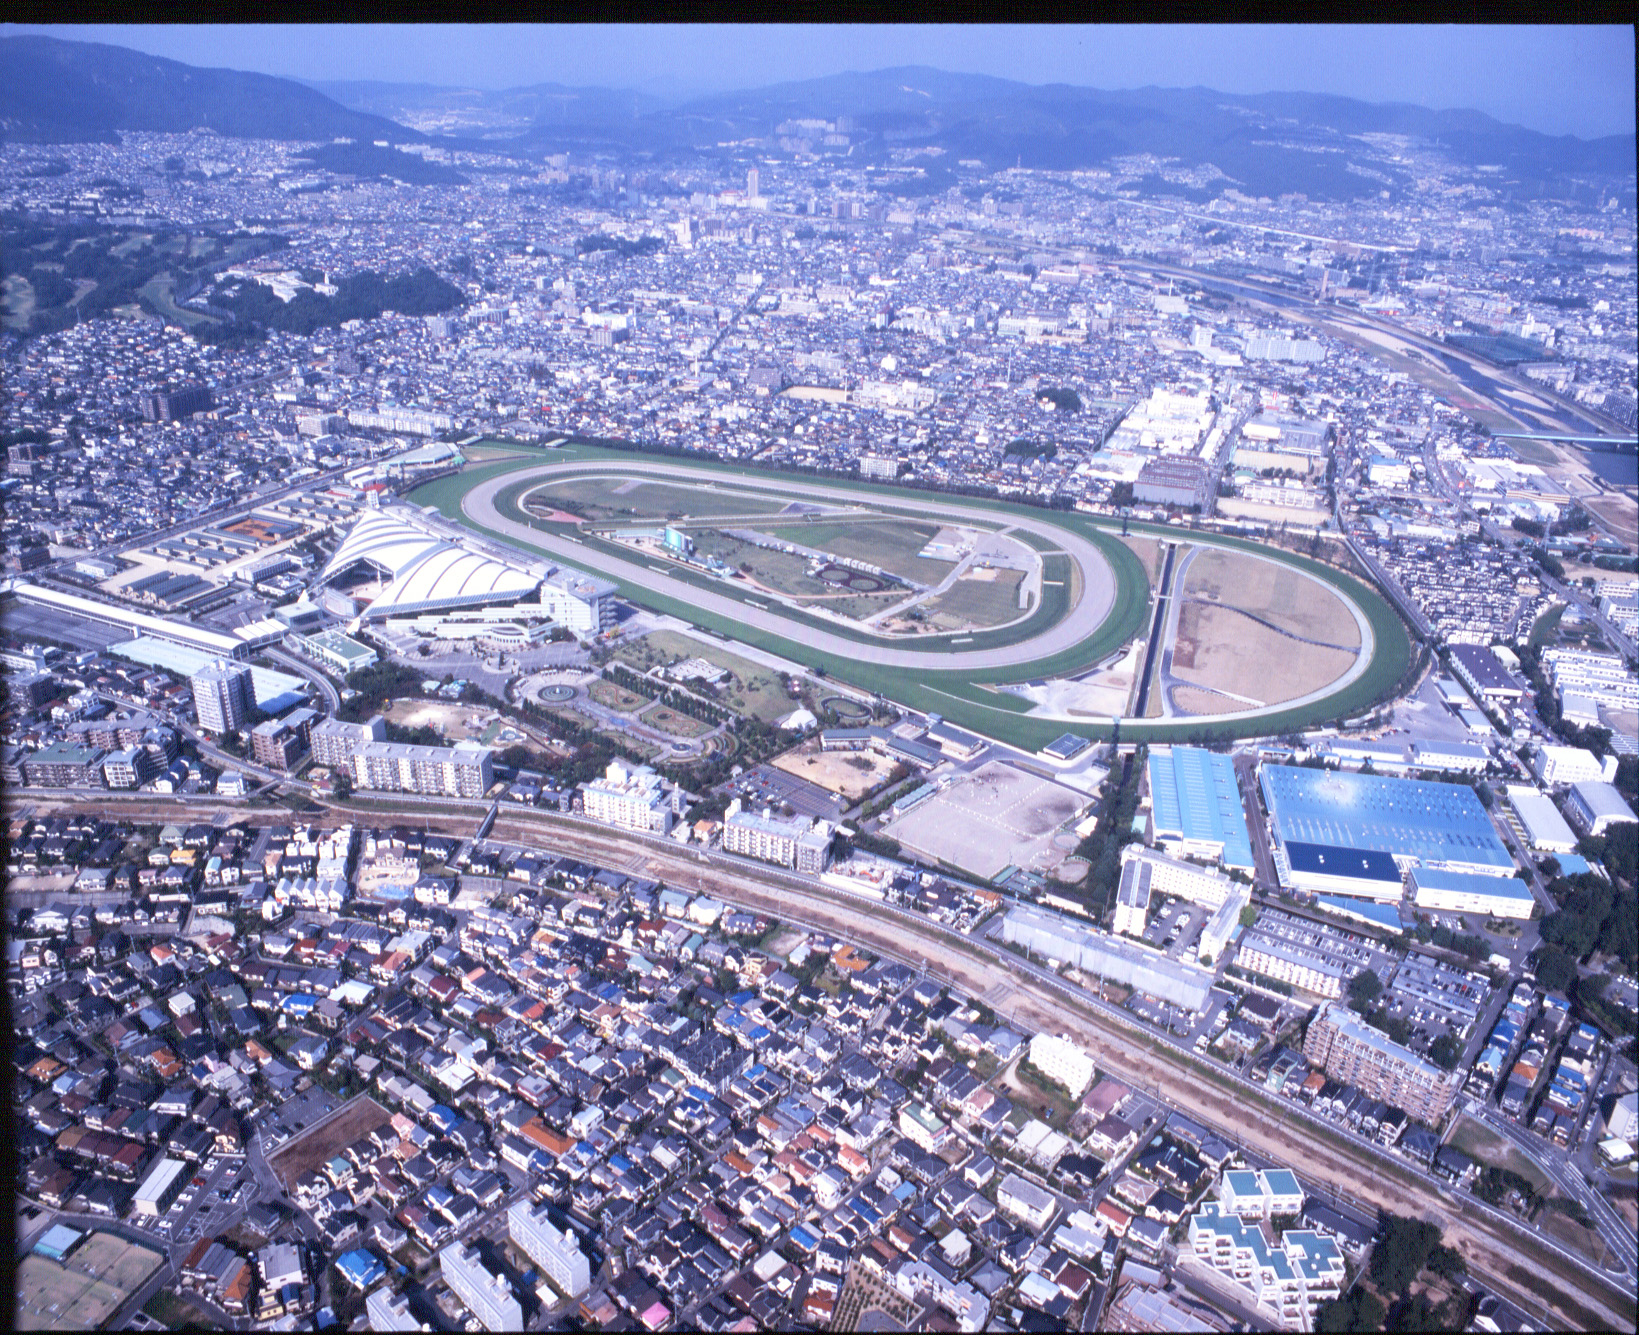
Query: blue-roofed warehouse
(1195, 806)
(1417, 823)
(1327, 869)
(1464, 892)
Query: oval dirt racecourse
(1097, 580)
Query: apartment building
(555, 1250)
(462, 770)
(487, 1295)
(1350, 1050)
(1301, 966)
(335, 742)
(1289, 1275)
(790, 841)
(632, 797)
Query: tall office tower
(752, 179)
(223, 694)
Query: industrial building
(790, 841)
(1570, 764)
(162, 1185)
(1417, 823)
(1195, 806)
(1053, 936)
(1182, 482)
(1462, 892)
(1594, 807)
(240, 643)
(1545, 829)
(488, 1296)
(1350, 1050)
(1483, 673)
(555, 1250)
(1322, 869)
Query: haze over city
(821, 677)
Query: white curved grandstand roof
(426, 572)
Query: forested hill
(53, 91)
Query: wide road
(1098, 585)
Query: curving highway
(1098, 583)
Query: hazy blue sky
(1561, 80)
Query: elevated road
(1086, 615)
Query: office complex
(790, 841)
(555, 1250)
(223, 695)
(462, 770)
(1350, 1050)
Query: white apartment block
(223, 694)
(1289, 1276)
(557, 1251)
(487, 1296)
(462, 770)
(1061, 1060)
(1603, 678)
(632, 797)
(1288, 962)
(792, 841)
(335, 742)
(1184, 880)
(1264, 1194)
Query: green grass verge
(961, 695)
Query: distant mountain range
(58, 92)
(1268, 144)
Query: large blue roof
(1358, 864)
(1439, 824)
(1195, 794)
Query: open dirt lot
(451, 720)
(996, 816)
(312, 1148)
(851, 773)
(81, 1302)
(1147, 550)
(1204, 702)
(1218, 647)
(1274, 593)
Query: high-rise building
(1353, 1052)
(633, 797)
(555, 1250)
(752, 181)
(487, 1295)
(223, 694)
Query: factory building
(1055, 937)
(1195, 806)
